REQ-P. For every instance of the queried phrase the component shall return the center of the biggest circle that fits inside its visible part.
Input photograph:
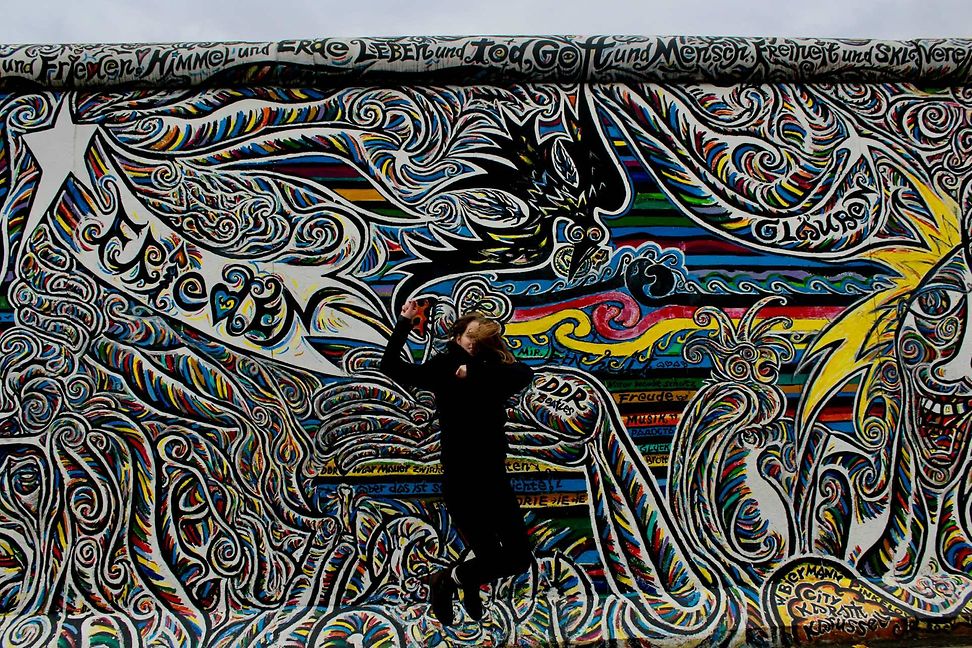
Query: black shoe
(441, 592)
(472, 602)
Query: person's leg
(471, 509)
(442, 584)
(506, 550)
(515, 551)
(442, 591)
(499, 540)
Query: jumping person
(472, 381)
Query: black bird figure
(570, 177)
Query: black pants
(485, 511)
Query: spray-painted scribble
(745, 305)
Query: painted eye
(25, 478)
(575, 233)
(595, 234)
(935, 303)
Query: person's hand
(461, 371)
(410, 309)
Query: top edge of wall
(464, 60)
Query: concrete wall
(740, 269)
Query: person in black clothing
(472, 381)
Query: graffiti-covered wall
(740, 270)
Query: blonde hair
(488, 337)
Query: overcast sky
(74, 21)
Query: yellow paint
(847, 348)
(569, 325)
(360, 195)
(654, 396)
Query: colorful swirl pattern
(745, 304)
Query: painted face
(468, 338)
(935, 354)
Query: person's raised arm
(392, 364)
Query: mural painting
(746, 307)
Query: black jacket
(472, 410)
